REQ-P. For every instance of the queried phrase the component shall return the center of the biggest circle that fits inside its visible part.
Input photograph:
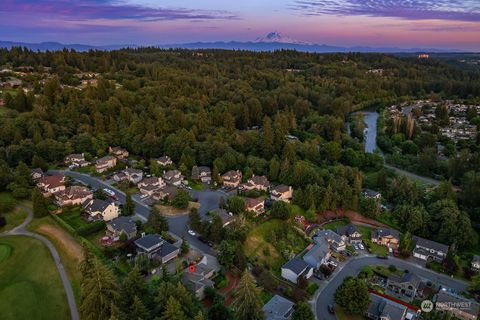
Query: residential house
(232, 178)
(164, 161)
(318, 254)
(74, 158)
(199, 279)
(350, 234)
(168, 192)
(404, 286)
(428, 250)
(173, 177)
(119, 225)
(256, 183)
(155, 247)
(460, 307)
(278, 308)
(202, 173)
(149, 185)
(386, 237)
(476, 263)
(118, 152)
(281, 192)
(74, 195)
(133, 175)
(36, 174)
(255, 205)
(296, 268)
(105, 163)
(381, 308)
(337, 243)
(371, 194)
(227, 217)
(51, 184)
(101, 210)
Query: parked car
(382, 257)
(361, 246)
(331, 308)
(192, 233)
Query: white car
(192, 233)
(361, 246)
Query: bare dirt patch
(64, 239)
(172, 211)
(354, 217)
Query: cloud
(83, 10)
(457, 10)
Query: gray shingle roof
(296, 265)
(430, 244)
(95, 205)
(278, 308)
(149, 242)
(123, 223)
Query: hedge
(92, 227)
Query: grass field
(260, 245)
(68, 247)
(73, 217)
(30, 286)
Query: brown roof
(281, 188)
(74, 192)
(260, 180)
(52, 181)
(232, 174)
(253, 202)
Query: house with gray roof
(121, 225)
(386, 237)
(198, 279)
(155, 247)
(278, 308)
(405, 287)
(100, 210)
(383, 309)
(295, 268)
(350, 233)
(318, 254)
(428, 250)
(334, 239)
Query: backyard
(30, 286)
(269, 242)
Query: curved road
(21, 230)
(178, 225)
(324, 295)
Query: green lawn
(341, 315)
(195, 185)
(268, 241)
(72, 216)
(30, 286)
(334, 225)
(13, 216)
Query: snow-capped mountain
(277, 37)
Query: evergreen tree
(40, 208)
(184, 248)
(195, 220)
(133, 286)
(173, 310)
(98, 290)
(248, 303)
(156, 222)
(129, 206)
(137, 310)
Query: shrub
(91, 228)
(3, 222)
(392, 268)
(312, 287)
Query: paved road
(21, 230)
(324, 295)
(208, 199)
(413, 175)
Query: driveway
(324, 295)
(21, 230)
(208, 200)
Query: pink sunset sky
(443, 24)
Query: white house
(295, 268)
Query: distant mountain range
(272, 41)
